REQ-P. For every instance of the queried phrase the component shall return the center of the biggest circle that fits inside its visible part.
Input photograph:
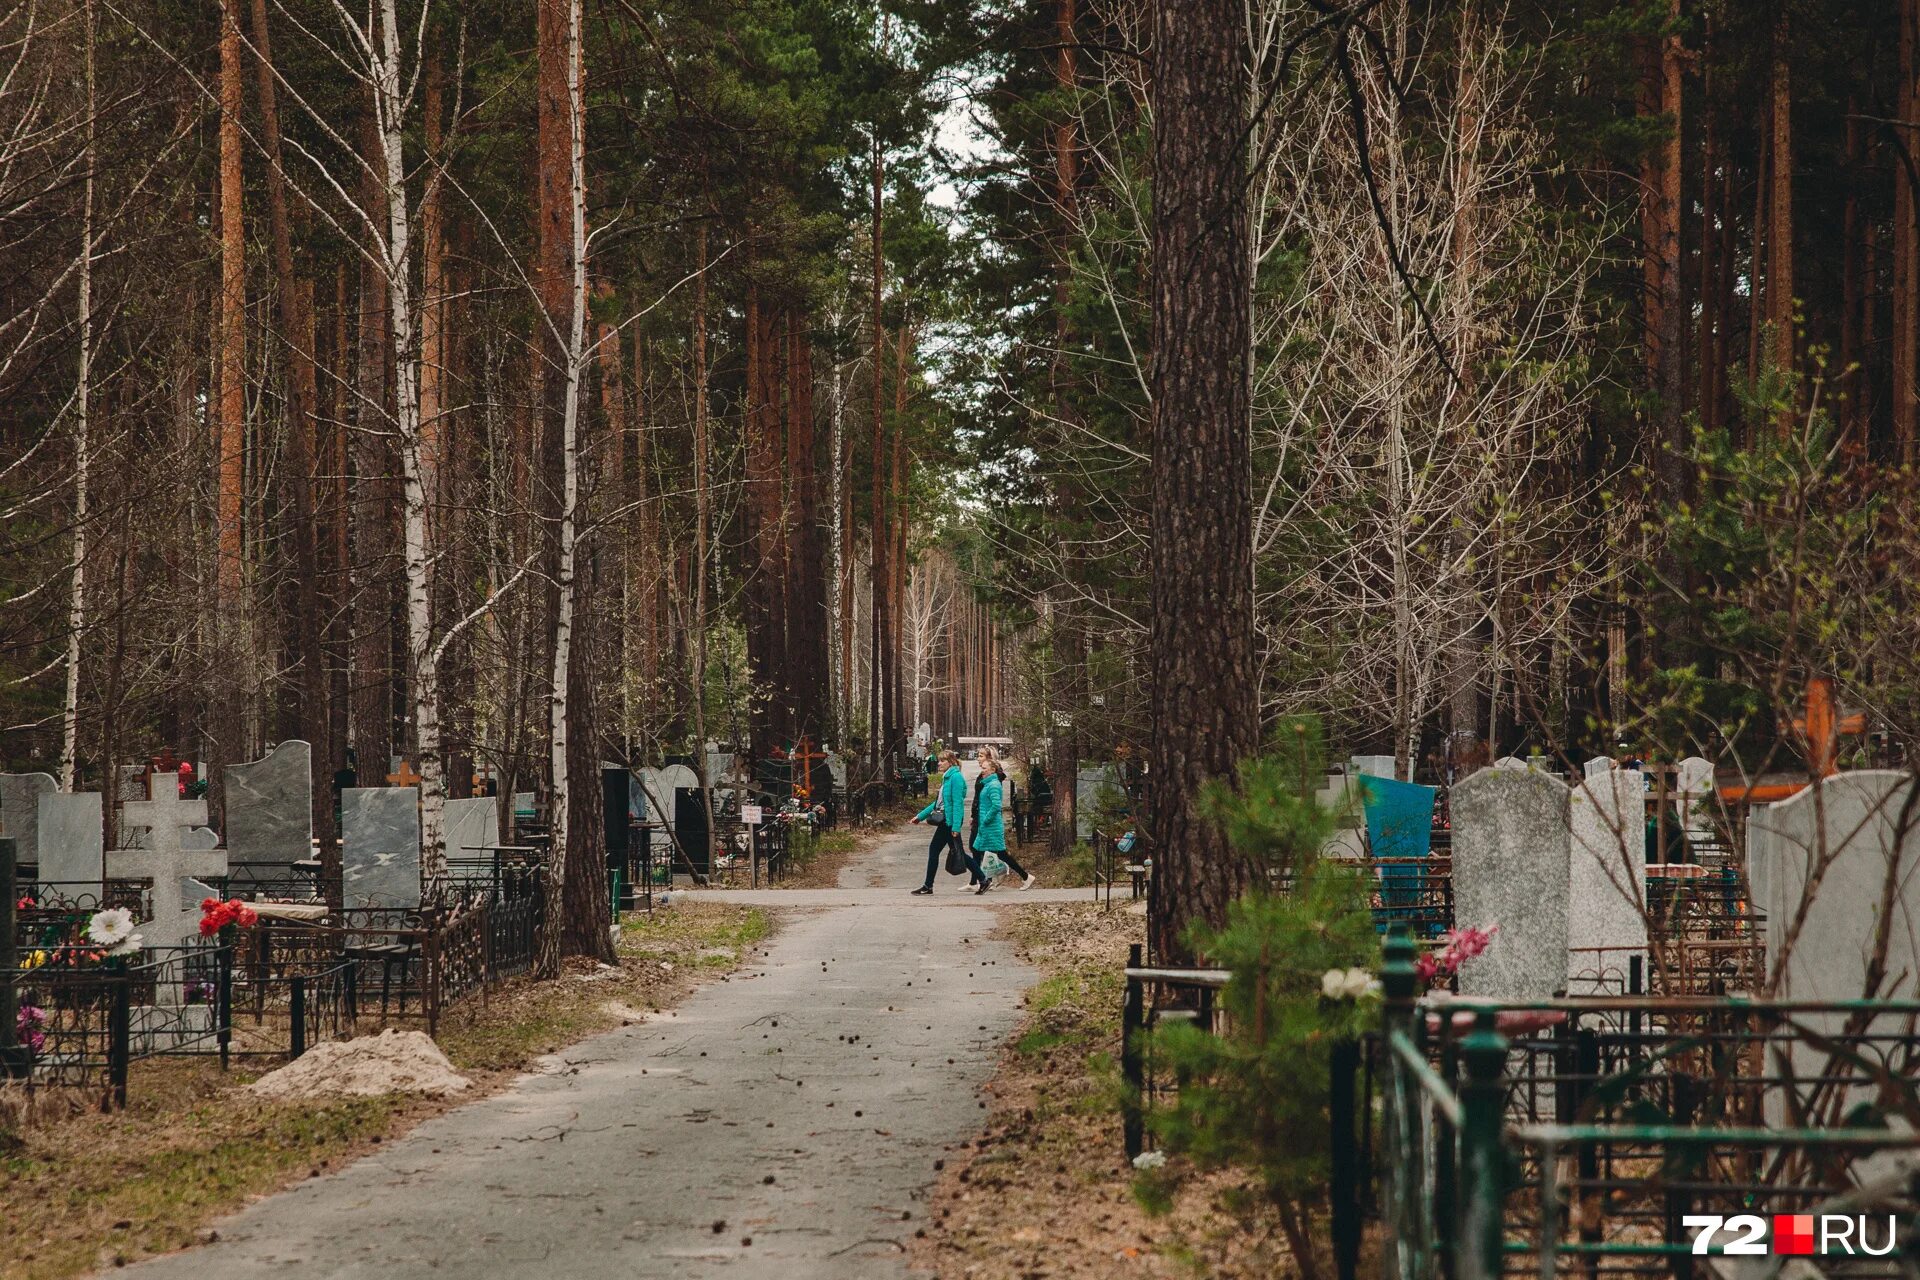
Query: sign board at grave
(749, 815)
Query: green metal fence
(1600, 1137)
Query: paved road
(802, 1105)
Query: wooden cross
(1821, 726)
(404, 777)
(805, 752)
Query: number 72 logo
(1749, 1230)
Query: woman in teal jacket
(948, 814)
(989, 818)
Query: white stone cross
(164, 860)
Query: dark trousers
(944, 835)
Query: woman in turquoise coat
(989, 818)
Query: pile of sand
(391, 1062)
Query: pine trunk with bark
(1205, 702)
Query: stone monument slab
(20, 811)
(1607, 924)
(1512, 850)
(72, 839)
(270, 805)
(380, 846)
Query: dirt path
(785, 1124)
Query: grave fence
(1576, 1137)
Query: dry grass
(82, 1190)
(1045, 1190)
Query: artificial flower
(1345, 984)
(126, 946)
(111, 927)
(1147, 1160)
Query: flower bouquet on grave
(225, 920)
(30, 1029)
(111, 933)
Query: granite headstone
(270, 805)
(1512, 849)
(380, 846)
(72, 836)
(1606, 923)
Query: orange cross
(804, 752)
(406, 777)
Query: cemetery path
(800, 1106)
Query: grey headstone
(1596, 766)
(837, 766)
(380, 846)
(1512, 848)
(72, 840)
(20, 810)
(270, 805)
(471, 825)
(202, 838)
(523, 804)
(1373, 766)
(1092, 783)
(1514, 763)
(132, 783)
(1786, 843)
(1608, 877)
(1850, 825)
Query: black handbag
(956, 864)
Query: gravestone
(1597, 766)
(524, 804)
(616, 808)
(162, 856)
(1512, 763)
(1607, 877)
(470, 826)
(1787, 842)
(1372, 766)
(1694, 781)
(380, 846)
(72, 840)
(1399, 817)
(1340, 794)
(837, 766)
(1094, 781)
(1849, 825)
(1512, 852)
(202, 838)
(269, 805)
(20, 811)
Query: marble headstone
(1094, 781)
(20, 810)
(1514, 763)
(380, 846)
(471, 825)
(1607, 878)
(1693, 779)
(1512, 846)
(132, 784)
(1373, 766)
(1835, 945)
(1596, 766)
(72, 835)
(270, 805)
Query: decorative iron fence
(1635, 1136)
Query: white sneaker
(1029, 884)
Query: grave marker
(269, 806)
(164, 857)
(72, 839)
(1608, 876)
(1512, 852)
(380, 846)
(20, 811)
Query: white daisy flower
(111, 927)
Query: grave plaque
(1512, 851)
(1373, 766)
(1608, 878)
(72, 848)
(269, 806)
(380, 846)
(20, 811)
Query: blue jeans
(944, 835)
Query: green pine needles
(1253, 1094)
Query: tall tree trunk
(702, 504)
(1205, 700)
(82, 446)
(230, 579)
(1780, 203)
(807, 613)
(1852, 271)
(879, 539)
(373, 559)
(1660, 184)
(1906, 241)
(302, 392)
(1067, 673)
